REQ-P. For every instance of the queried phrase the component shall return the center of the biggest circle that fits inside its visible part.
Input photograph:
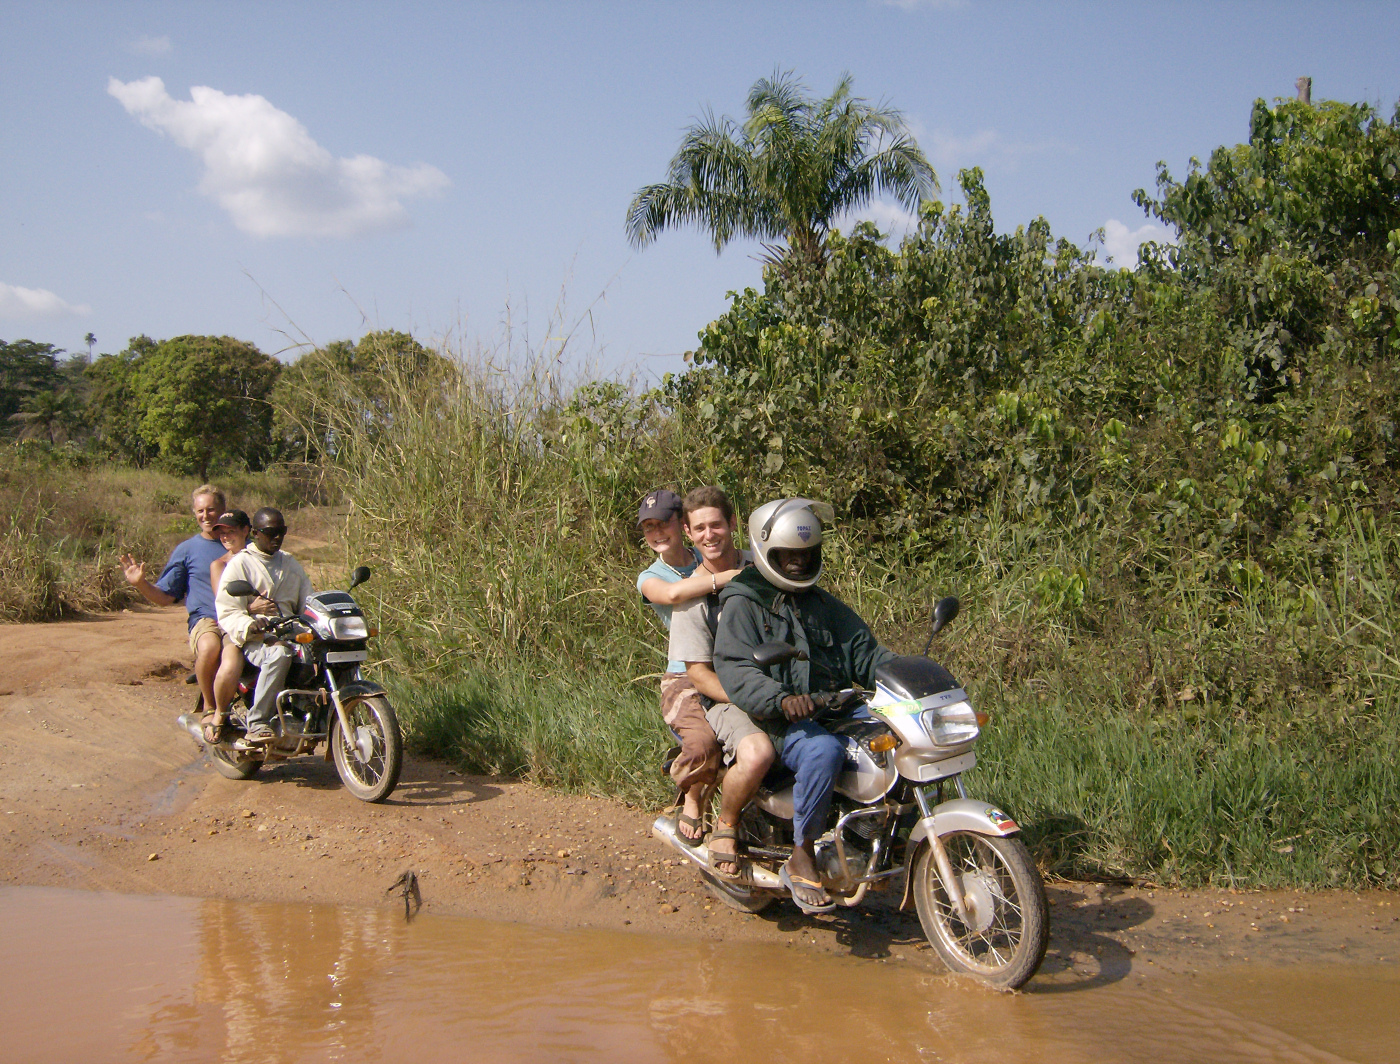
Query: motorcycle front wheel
(1009, 922)
(370, 757)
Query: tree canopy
(192, 402)
(793, 167)
(1294, 233)
(26, 368)
(346, 383)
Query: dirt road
(100, 790)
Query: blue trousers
(815, 757)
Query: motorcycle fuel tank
(862, 779)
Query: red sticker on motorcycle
(1001, 821)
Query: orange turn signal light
(982, 718)
(305, 637)
(881, 743)
(374, 631)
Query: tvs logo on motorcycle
(804, 532)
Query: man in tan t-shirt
(709, 522)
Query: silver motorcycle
(899, 806)
(326, 700)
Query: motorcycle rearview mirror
(359, 576)
(240, 588)
(769, 654)
(944, 611)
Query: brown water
(103, 977)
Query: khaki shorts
(684, 713)
(732, 725)
(205, 625)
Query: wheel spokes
(371, 770)
(996, 944)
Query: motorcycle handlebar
(827, 701)
(276, 629)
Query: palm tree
(47, 414)
(791, 170)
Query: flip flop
(212, 729)
(793, 883)
(727, 858)
(696, 824)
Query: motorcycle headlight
(951, 725)
(349, 628)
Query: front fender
(964, 814)
(358, 689)
(960, 814)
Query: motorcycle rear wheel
(735, 895)
(228, 765)
(370, 761)
(1009, 912)
(232, 767)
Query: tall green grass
(1224, 802)
(579, 734)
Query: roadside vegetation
(1166, 496)
(65, 519)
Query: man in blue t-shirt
(186, 578)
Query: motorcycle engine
(829, 865)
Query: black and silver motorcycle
(899, 806)
(326, 700)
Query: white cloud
(1120, 244)
(931, 5)
(986, 148)
(889, 218)
(263, 168)
(150, 46)
(17, 302)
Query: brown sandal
(212, 725)
(717, 858)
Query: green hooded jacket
(840, 647)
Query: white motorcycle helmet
(789, 524)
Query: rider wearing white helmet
(778, 601)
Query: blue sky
(305, 172)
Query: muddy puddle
(103, 977)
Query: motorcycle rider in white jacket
(280, 579)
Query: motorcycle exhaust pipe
(664, 828)
(191, 723)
